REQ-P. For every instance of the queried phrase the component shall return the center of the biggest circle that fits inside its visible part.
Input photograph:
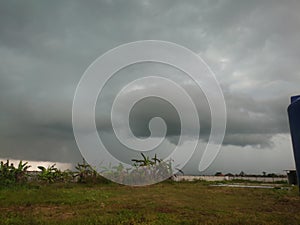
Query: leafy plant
(153, 169)
(146, 161)
(50, 174)
(20, 172)
(10, 174)
(144, 171)
(85, 173)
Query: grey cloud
(252, 46)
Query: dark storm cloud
(253, 47)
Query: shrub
(50, 174)
(9, 174)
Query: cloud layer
(252, 46)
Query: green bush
(9, 174)
(51, 174)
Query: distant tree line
(243, 174)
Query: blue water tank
(294, 118)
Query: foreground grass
(165, 203)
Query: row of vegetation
(11, 174)
(143, 171)
(243, 174)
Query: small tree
(20, 172)
(9, 174)
(219, 174)
(50, 174)
(85, 173)
(242, 174)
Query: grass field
(164, 203)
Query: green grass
(164, 203)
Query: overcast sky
(253, 47)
